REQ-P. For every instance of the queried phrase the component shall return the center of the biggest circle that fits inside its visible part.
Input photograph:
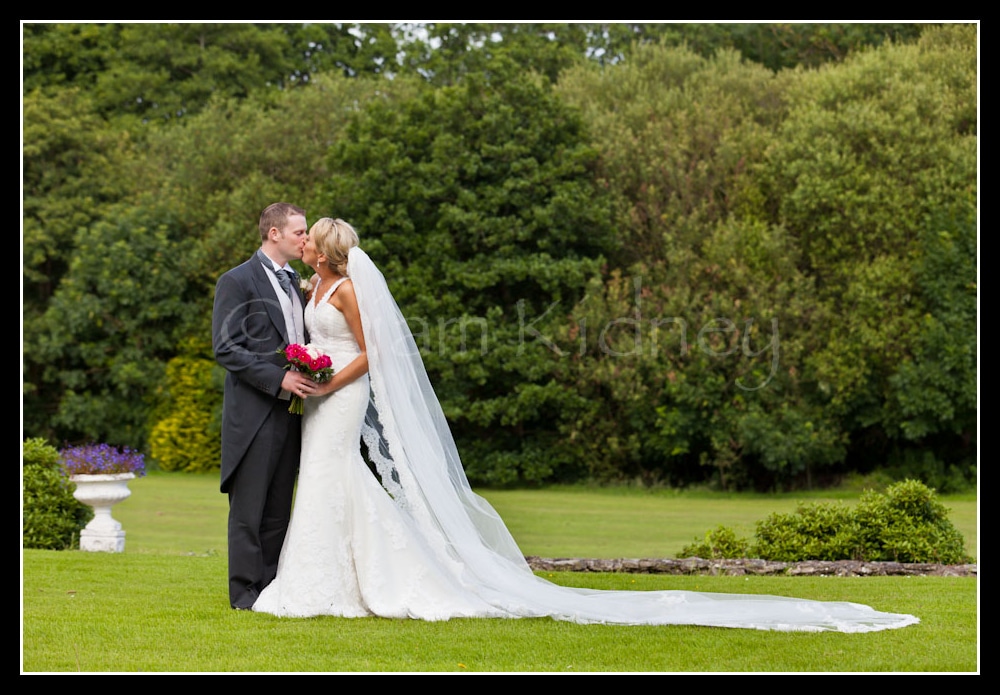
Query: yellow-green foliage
(187, 439)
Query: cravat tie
(285, 280)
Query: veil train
(411, 446)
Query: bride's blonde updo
(334, 238)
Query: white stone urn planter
(103, 491)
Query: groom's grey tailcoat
(260, 439)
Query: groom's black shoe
(245, 599)
(244, 605)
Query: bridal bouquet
(311, 362)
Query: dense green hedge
(906, 523)
(52, 518)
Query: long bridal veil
(410, 443)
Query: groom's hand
(299, 384)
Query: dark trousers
(260, 505)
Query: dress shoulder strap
(329, 292)
(337, 284)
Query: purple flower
(101, 459)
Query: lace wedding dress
(349, 550)
(420, 543)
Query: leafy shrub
(720, 543)
(186, 435)
(814, 532)
(52, 518)
(906, 523)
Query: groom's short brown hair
(275, 215)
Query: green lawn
(186, 513)
(161, 605)
(630, 522)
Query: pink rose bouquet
(311, 362)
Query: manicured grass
(161, 605)
(186, 513)
(631, 522)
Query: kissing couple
(413, 541)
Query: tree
(73, 163)
(110, 327)
(349, 49)
(163, 71)
(446, 53)
(478, 202)
(775, 45)
(66, 55)
(874, 154)
(689, 354)
(519, 214)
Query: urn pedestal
(103, 533)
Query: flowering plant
(101, 459)
(310, 361)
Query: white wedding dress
(349, 550)
(421, 544)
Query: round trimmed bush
(52, 518)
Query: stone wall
(815, 568)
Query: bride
(416, 541)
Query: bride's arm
(346, 301)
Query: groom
(258, 312)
